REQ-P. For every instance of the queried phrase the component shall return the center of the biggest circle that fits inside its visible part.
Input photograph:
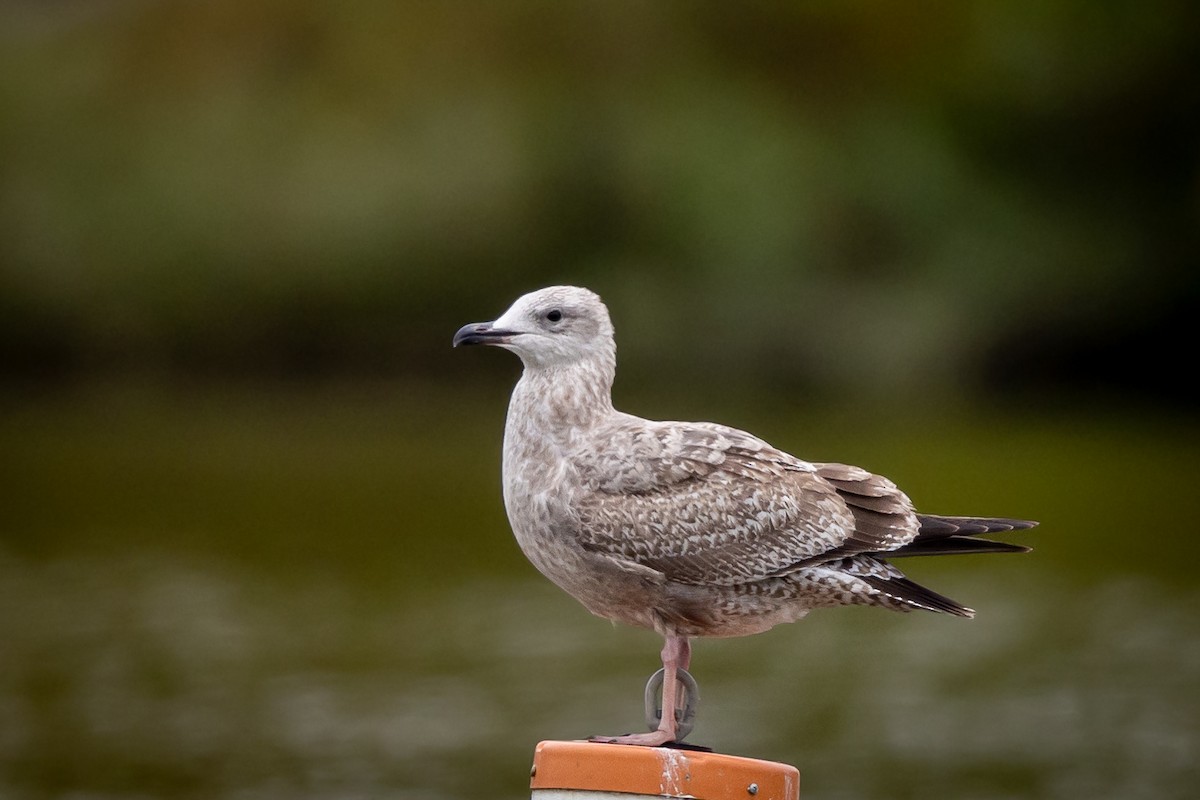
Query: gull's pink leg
(676, 654)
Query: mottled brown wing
(883, 515)
(706, 504)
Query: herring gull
(690, 528)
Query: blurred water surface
(308, 589)
(272, 595)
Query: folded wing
(707, 504)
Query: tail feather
(938, 535)
(915, 595)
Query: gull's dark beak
(481, 333)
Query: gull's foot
(651, 739)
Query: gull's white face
(556, 326)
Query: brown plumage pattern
(690, 528)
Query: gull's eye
(553, 315)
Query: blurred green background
(251, 536)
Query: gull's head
(556, 326)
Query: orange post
(576, 770)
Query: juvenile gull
(689, 528)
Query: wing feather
(883, 515)
(706, 504)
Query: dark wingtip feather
(937, 525)
(953, 546)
